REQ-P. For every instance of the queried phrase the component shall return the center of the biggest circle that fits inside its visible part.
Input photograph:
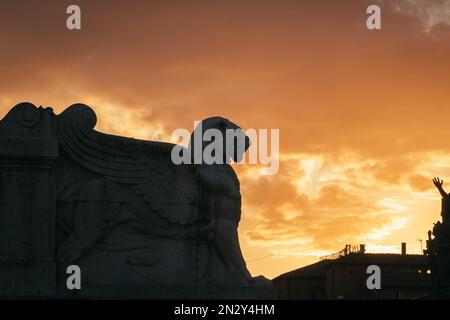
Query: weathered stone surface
(136, 224)
(28, 151)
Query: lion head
(220, 139)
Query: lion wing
(172, 190)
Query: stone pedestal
(27, 203)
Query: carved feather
(125, 160)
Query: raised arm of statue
(438, 183)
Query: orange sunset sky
(364, 116)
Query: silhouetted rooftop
(310, 271)
(381, 258)
(318, 269)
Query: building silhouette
(343, 275)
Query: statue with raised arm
(438, 247)
(445, 211)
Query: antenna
(421, 246)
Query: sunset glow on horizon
(363, 115)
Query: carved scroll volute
(25, 119)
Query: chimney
(362, 248)
(403, 248)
